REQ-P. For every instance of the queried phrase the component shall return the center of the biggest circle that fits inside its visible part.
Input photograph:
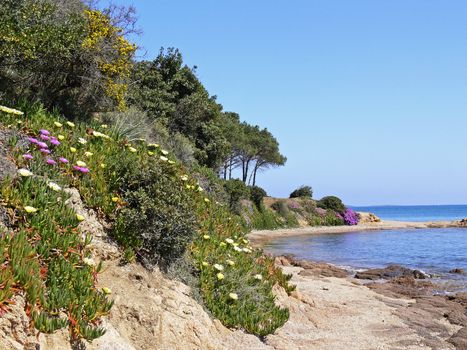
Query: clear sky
(367, 98)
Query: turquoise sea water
(417, 212)
(435, 251)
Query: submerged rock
(457, 270)
(392, 271)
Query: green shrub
(256, 195)
(265, 219)
(331, 203)
(236, 190)
(303, 191)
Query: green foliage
(265, 219)
(332, 203)
(236, 190)
(256, 195)
(302, 191)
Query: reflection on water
(435, 251)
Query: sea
(434, 251)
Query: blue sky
(367, 98)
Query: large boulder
(390, 272)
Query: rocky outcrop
(392, 271)
(366, 218)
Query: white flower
(164, 152)
(132, 149)
(205, 263)
(200, 189)
(70, 124)
(230, 262)
(229, 240)
(88, 154)
(82, 141)
(184, 178)
(24, 172)
(164, 159)
(54, 186)
(258, 277)
(89, 261)
(233, 296)
(246, 250)
(58, 124)
(218, 267)
(237, 249)
(30, 209)
(80, 163)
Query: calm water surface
(435, 251)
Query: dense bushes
(236, 190)
(256, 195)
(331, 203)
(303, 191)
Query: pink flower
(32, 140)
(81, 169)
(27, 156)
(44, 132)
(54, 142)
(42, 145)
(44, 137)
(63, 160)
(45, 151)
(51, 161)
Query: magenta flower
(44, 132)
(32, 140)
(63, 160)
(54, 142)
(81, 169)
(45, 151)
(42, 145)
(44, 137)
(27, 156)
(51, 161)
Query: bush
(158, 220)
(303, 191)
(350, 217)
(256, 195)
(332, 203)
(236, 190)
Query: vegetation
(303, 191)
(331, 203)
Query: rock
(457, 270)
(282, 260)
(459, 340)
(311, 268)
(392, 271)
(366, 218)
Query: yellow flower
(170, 161)
(245, 241)
(30, 209)
(103, 165)
(72, 149)
(25, 172)
(89, 261)
(104, 126)
(258, 277)
(54, 186)
(80, 217)
(220, 276)
(187, 187)
(205, 263)
(80, 163)
(115, 199)
(88, 154)
(164, 152)
(230, 262)
(184, 178)
(70, 124)
(58, 125)
(106, 290)
(10, 110)
(206, 236)
(233, 296)
(222, 244)
(61, 137)
(153, 145)
(218, 267)
(206, 200)
(200, 189)
(132, 149)
(246, 250)
(150, 153)
(164, 159)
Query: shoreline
(259, 238)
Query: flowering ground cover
(157, 211)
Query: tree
(302, 192)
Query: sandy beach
(259, 238)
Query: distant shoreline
(261, 237)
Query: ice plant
(82, 141)
(80, 217)
(233, 296)
(45, 151)
(102, 165)
(230, 262)
(206, 236)
(218, 267)
(61, 137)
(164, 152)
(50, 161)
(44, 137)
(27, 156)
(132, 149)
(32, 140)
(220, 276)
(115, 199)
(54, 142)
(184, 178)
(258, 277)
(10, 110)
(229, 240)
(72, 150)
(24, 172)
(70, 124)
(30, 209)
(164, 159)
(42, 144)
(170, 161)
(54, 186)
(44, 132)
(205, 263)
(80, 163)
(88, 154)
(63, 160)
(89, 261)
(106, 290)
(58, 124)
